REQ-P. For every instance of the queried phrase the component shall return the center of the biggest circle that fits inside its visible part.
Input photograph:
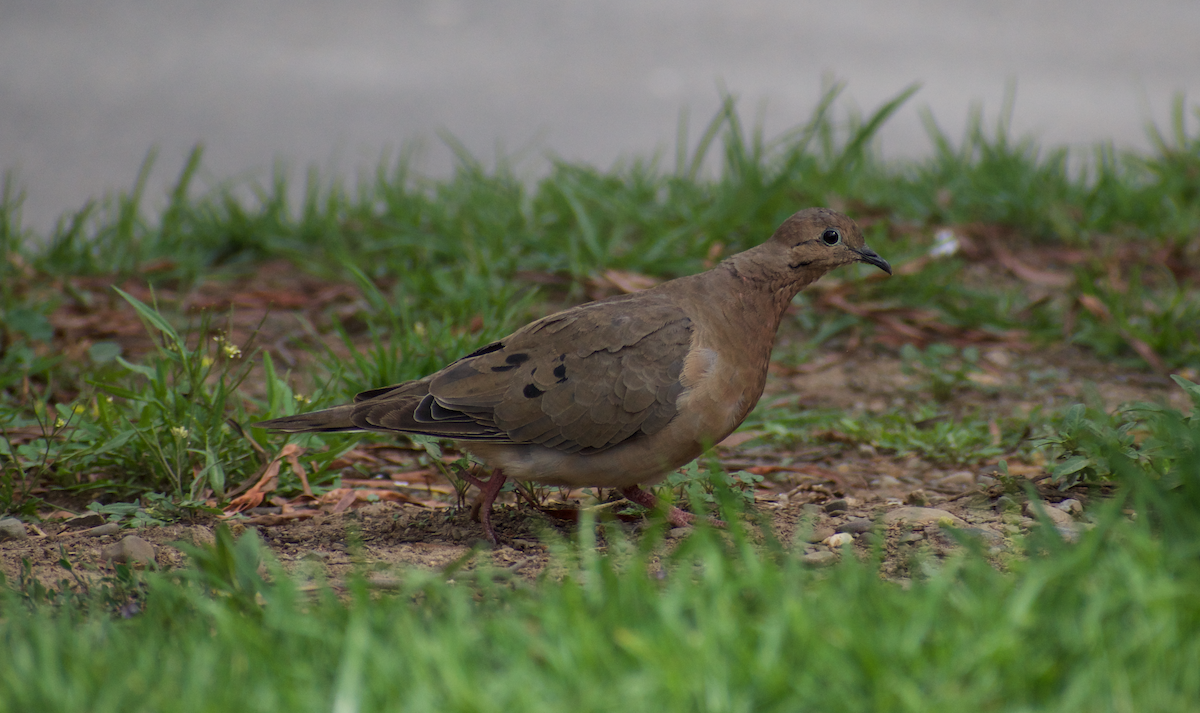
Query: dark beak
(870, 256)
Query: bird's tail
(328, 420)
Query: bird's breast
(718, 394)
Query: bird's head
(817, 240)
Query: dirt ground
(407, 514)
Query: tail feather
(330, 420)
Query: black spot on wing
(532, 392)
(560, 373)
(512, 361)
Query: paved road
(87, 87)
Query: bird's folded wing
(582, 380)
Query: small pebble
(676, 533)
(999, 357)
(1070, 505)
(856, 525)
(988, 536)
(912, 537)
(108, 528)
(1007, 502)
(923, 516)
(380, 580)
(886, 481)
(131, 549)
(958, 480)
(839, 505)
(917, 497)
(818, 534)
(1058, 517)
(819, 559)
(838, 540)
(12, 529)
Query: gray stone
(12, 529)
(981, 533)
(108, 528)
(676, 533)
(818, 534)
(917, 497)
(819, 559)
(912, 537)
(856, 526)
(1058, 517)
(838, 540)
(1007, 503)
(130, 550)
(84, 522)
(960, 480)
(839, 505)
(1070, 505)
(923, 516)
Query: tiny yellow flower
(206, 361)
(231, 351)
(78, 408)
(59, 423)
(180, 432)
(302, 399)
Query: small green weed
(1090, 445)
(710, 485)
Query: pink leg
(675, 516)
(488, 490)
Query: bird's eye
(831, 237)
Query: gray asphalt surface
(87, 88)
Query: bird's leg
(675, 516)
(482, 508)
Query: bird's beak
(870, 256)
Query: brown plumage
(618, 392)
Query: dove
(620, 392)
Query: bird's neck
(774, 284)
(741, 303)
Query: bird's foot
(675, 516)
(481, 509)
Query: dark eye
(831, 237)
